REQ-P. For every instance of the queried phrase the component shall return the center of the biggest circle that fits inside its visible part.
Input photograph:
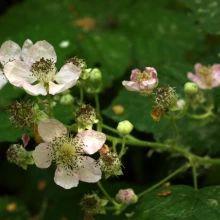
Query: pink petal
(151, 69)
(148, 85)
(195, 78)
(24, 52)
(3, 80)
(34, 90)
(130, 85)
(66, 178)
(197, 66)
(89, 171)
(25, 139)
(17, 72)
(68, 73)
(50, 128)
(92, 140)
(42, 155)
(9, 51)
(41, 49)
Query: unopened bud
(190, 88)
(124, 127)
(66, 100)
(126, 196)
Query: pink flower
(144, 81)
(206, 77)
(68, 153)
(36, 72)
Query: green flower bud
(191, 88)
(67, 99)
(124, 127)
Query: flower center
(144, 76)
(206, 73)
(66, 154)
(44, 70)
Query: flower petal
(50, 128)
(34, 90)
(89, 171)
(17, 72)
(41, 49)
(134, 73)
(43, 155)
(9, 51)
(24, 52)
(130, 85)
(195, 78)
(92, 140)
(3, 80)
(66, 178)
(57, 88)
(68, 73)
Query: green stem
(123, 150)
(173, 123)
(194, 177)
(50, 105)
(107, 195)
(179, 170)
(99, 125)
(202, 116)
(197, 159)
(81, 93)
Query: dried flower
(38, 65)
(143, 82)
(206, 77)
(68, 153)
(92, 204)
(17, 154)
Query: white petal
(68, 73)
(50, 128)
(34, 90)
(25, 49)
(42, 155)
(130, 85)
(9, 51)
(66, 178)
(57, 88)
(41, 49)
(17, 72)
(3, 80)
(93, 140)
(89, 171)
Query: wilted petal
(88, 171)
(17, 72)
(34, 90)
(3, 80)
(9, 51)
(92, 140)
(68, 73)
(43, 155)
(66, 178)
(41, 49)
(24, 52)
(50, 128)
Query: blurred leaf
(183, 203)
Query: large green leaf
(184, 203)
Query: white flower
(68, 153)
(36, 72)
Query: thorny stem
(107, 195)
(179, 170)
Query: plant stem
(194, 177)
(81, 92)
(50, 105)
(99, 125)
(179, 170)
(123, 150)
(173, 123)
(107, 195)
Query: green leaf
(183, 203)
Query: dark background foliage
(115, 36)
